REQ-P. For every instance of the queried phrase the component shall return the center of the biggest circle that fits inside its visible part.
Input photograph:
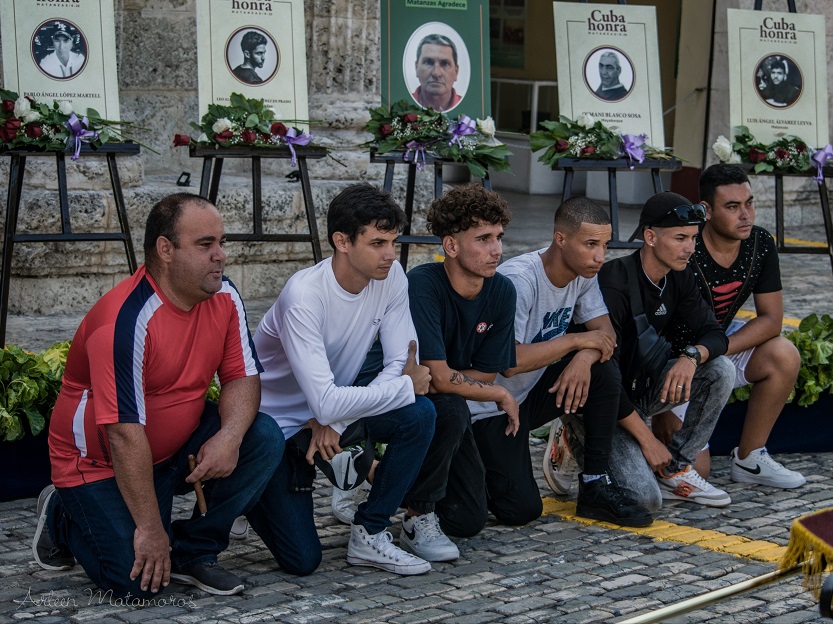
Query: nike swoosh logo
(756, 470)
(411, 534)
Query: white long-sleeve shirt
(313, 341)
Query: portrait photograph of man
(59, 49)
(436, 67)
(609, 74)
(252, 56)
(778, 81)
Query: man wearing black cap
(62, 62)
(667, 291)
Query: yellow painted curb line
(804, 243)
(748, 314)
(665, 531)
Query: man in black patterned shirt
(734, 258)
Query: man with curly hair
(464, 315)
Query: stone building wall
(156, 43)
(156, 48)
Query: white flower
(65, 107)
(221, 125)
(202, 138)
(586, 121)
(734, 159)
(31, 116)
(21, 107)
(723, 148)
(486, 127)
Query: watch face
(692, 352)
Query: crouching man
(132, 409)
(312, 343)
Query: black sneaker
(47, 555)
(602, 499)
(211, 578)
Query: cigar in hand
(192, 464)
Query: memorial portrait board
(778, 75)
(254, 48)
(608, 66)
(435, 53)
(61, 50)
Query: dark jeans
(93, 521)
(284, 519)
(512, 493)
(451, 480)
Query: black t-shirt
(756, 270)
(475, 334)
(676, 300)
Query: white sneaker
(379, 551)
(423, 536)
(688, 485)
(345, 503)
(759, 467)
(240, 529)
(560, 467)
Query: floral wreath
(246, 122)
(587, 138)
(421, 132)
(30, 124)
(789, 154)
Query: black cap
(61, 30)
(669, 209)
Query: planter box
(797, 430)
(25, 463)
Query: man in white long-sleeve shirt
(312, 344)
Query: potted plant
(801, 428)
(29, 386)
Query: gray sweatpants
(711, 387)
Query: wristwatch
(693, 354)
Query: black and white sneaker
(47, 555)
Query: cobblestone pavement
(557, 569)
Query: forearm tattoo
(458, 379)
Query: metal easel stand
(17, 168)
(570, 165)
(779, 213)
(391, 159)
(212, 169)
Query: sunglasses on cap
(683, 214)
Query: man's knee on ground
(518, 512)
(300, 563)
(463, 524)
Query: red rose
(800, 148)
(756, 155)
(4, 135)
(410, 117)
(278, 129)
(589, 149)
(223, 136)
(8, 106)
(10, 129)
(782, 153)
(248, 136)
(561, 145)
(34, 131)
(181, 140)
(385, 129)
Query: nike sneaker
(688, 485)
(759, 467)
